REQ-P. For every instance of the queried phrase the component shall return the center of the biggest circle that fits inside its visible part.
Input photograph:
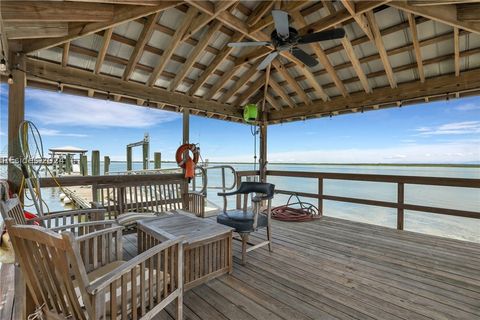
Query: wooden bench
(130, 201)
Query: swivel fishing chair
(248, 220)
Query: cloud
(454, 128)
(468, 107)
(54, 133)
(62, 109)
(447, 152)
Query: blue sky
(439, 132)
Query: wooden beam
(446, 14)
(55, 11)
(260, 10)
(16, 114)
(247, 75)
(252, 55)
(406, 91)
(456, 44)
(352, 56)
(122, 14)
(66, 51)
(416, 46)
(192, 57)
(33, 30)
(204, 18)
(361, 19)
(219, 58)
(273, 101)
(85, 79)
(290, 7)
(438, 2)
(279, 90)
(107, 35)
(381, 49)
(143, 39)
(323, 58)
(292, 82)
(251, 90)
(176, 39)
(468, 12)
(220, 82)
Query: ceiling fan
(286, 38)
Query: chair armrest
(105, 281)
(100, 232)
(225, 194)
(261, 198)
(75, 228)
(68, 217)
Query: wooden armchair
(64, 286)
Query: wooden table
(207, 247)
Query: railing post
(400, 202)
(320, 196)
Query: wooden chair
(251, 219)
(63, 286)
(12, 208)
(130, 202)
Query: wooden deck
(336, 269)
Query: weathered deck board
(338, 269)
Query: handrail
(401, 181)
(223, 187)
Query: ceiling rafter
(350, 51)
(250, 91)
(247, 75)
(145, 35)
(107, 35)
(292, 82)
(456, 45)
(273, 102)
(219, 58)
(176, 39)
(192, 57)
(122, 14)
(361, 19)
(221, 82)
(323, 58)
(65, 53)
(446, 14)
(280, 91)
(416, 46)
(381, 48)
(204, 18)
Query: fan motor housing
(285, 44)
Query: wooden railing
(400, 181)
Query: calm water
(446, 197)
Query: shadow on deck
(338, 269)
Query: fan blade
(280, 19)
(304, 57)
(267, 60)
(322, 36)
(248, 44)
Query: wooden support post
(157, 159)
(400, 201)
(16, 113)
(83, 165)
(106, 165)
(129, 158)
(263, 152)
(145, 152)
(320, 196)
(186, 139)
(95, 163)
(68, 164)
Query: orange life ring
(186, 162)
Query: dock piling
(106, 165)
(157, 158)
(95, 163)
